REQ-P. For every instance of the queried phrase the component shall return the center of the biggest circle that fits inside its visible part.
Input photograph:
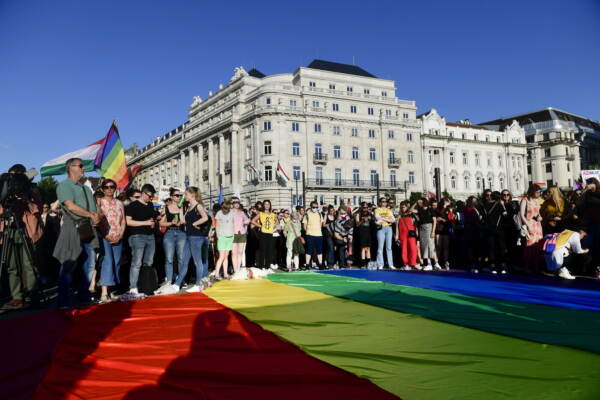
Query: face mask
(315, 209)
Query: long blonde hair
(557, 198)
(196, 192)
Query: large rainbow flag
(347, 334)
(110, 159)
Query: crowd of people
(111, 243)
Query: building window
(499, 160)
(393, 178)
(372, 154)
(267, 148)
(295, 127)
(569, 168)
(355, 132)
(405, 115)
(331, 86)
(335, 107)
(312, 84)
(370, 111)
(293, 103)
(478, 183)
(409, 137)
(547, 153)
(467, 181)
(451, 134)
(513, 162)
(336, 130)
(388, 113)
(453, 182)
(451, 157)
(411, 157)
(464, 136)
(338, 177)
(373, 177)
(475, 137)
(266, 125)
(392, 154)
(501, 180)
(319, 175)
(296, 173)
(356, 177)
(349, 89)
(366, 91)
(411, 177)
(489, 161)
(318, 151)
(487, 138)
(371, 133)
(355, 154)
(317, 128)
(477, 160)
(353, 109)
(296, 149)
(529, 170)
(337, 151)
(268, 173)
(548, 167)
(384, 94)
(546, 137)
(391, 134)
(268, 100)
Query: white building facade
(472, 158)
(338, 132)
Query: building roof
(466, 125)
(256, 73)
(338, 67)
(546, 114)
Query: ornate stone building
(337, 126)
(472, 158)
(559, 144)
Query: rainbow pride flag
(110, 159)
(344, 334)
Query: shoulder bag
(84, 225)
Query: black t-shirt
(140, 212)
(425, 216)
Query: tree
(47, 188)
(447, 195)
(414, 196)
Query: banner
(590, 173)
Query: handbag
(147, 280)
(298, 243)
(412, 233)
(84, 225)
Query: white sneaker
(418, 267)
(405, 268)
(165, 283)
(474, 270)
(428, 267)
(437, 267)
(565, 274)
(171, 289)
(392, 267)
(503, 268)
(274, 266)
(133, 291)
(194, 289)
(447, 266)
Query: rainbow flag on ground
(344, 334)
(110, 159)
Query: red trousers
(408, 247)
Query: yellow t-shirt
(267, 222)
(313, 222)
(384, 213)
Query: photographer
(76, 244)
(20, 208)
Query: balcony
(393, 163)
(228, 168)
(352, 184)
(204, 174)
(320, 159)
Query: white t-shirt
(224, 223)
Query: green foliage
(414, 196)
(447, 195)
(47, 188)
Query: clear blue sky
(67, 68)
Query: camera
(16, 187)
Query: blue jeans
(196, 247)
(109, 274)
(84, 266)
(384, 236)
(142, 249)
(173, 241)
(330, 255)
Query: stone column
(181, 178)
(235, 159)
(211, 164)
(221, 158)
(200, 165)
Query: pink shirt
(240, 222)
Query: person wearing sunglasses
(140, 216)
(75, 249)
(111, 229)
(174, 239)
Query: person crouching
(560, 248)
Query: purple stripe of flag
(109, 141)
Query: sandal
(104, 299)
(14, 304)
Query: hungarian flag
(281, 175)
(87, 155)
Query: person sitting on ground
(559, 248)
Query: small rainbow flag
(542, 185)
(110, 159)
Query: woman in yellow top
(384, 218)
(266, 220)
(552, 211)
